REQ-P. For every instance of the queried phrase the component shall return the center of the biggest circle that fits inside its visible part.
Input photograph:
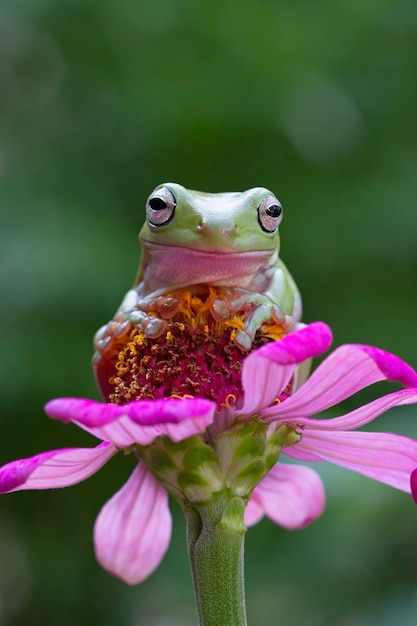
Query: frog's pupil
(274, 210)
(157, 204)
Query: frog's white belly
(174, 267)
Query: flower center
(194, 356)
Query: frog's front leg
(148, 314)
(260, 309)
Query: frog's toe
(220, 309)
(243, 340)
(168, 306)
(103, 344)
(136, 317)
(121, 329)
(99, 334)
(154, 327)
(279, 316)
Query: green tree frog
(229, 241)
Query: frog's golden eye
(160, 207)
(270, 214)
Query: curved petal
(143, 412)
(360, 416)
(413, 485)
(305, 343)
(169, 410)
(133, 529)
(385, 457)
(291, 495)
(83, 410)
(262, 382)
(53, 469)
(346, 371)
(391, 366)
(267, 371)
(124, 432)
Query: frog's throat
(173, 267)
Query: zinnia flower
(193, 449)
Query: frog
(229, 241)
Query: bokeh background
(100, 101)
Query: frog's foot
(150, 325)
(260, 310)
(223, 308)
(110, 334)
(263, 313)
(151, 315)
(165, 306)
(108, 337)
(147, 315)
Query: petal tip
(413, 485)
(305, 343)
(392, 367)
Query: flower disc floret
(195, 355)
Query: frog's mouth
(170, 266)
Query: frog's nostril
(223, 230)
(229, 230)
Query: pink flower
(133, 529)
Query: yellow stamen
(272, 331)
(230, 400)
(179, 397)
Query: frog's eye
(270, 214)
(160, 207)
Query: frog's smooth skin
(225, 240)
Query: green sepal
(252, 445)
(198, 455)
(160, 460)
(233, 516)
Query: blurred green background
(100, 101)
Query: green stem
(215, 538)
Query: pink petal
(267, 371)
(385, 457)
(262, 381)
(346, 371)
(124, 432)
(392, 366)
(82, 410)
(360, 416)
(413, 484)
(254, 512)
(133, 529)
(308, 342)
(136, 422)
(291, 495)
(57, 468)
(143, 412)
(169, 411)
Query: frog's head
(212, 222)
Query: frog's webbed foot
(110, 335)
(151, 314)
(148, 315)
(260, 310)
